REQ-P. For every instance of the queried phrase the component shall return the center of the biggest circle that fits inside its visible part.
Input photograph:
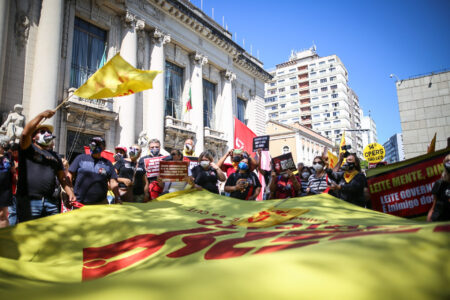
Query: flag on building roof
(115, 79)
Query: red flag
(243, 136)
(189, 102)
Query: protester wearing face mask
(189, 148)
(284, 186)
(7, 173)
(142, 171)
(350, 182)
(317, 182)
(243, 184)
(440, 210)
(235, 155)
(121, 153)
(126, 170)
(92, 174)
(304, 173)
(38, 167)
(207, 173)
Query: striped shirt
(317, 185)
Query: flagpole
(58, 107)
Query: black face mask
(348, 166)
(237, 158)
(447, 166)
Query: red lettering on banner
(226, 249)
(262, 215)
(95, 262)
(442, 228)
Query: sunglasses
(317, 163)
(44, 131)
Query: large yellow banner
(187, 246)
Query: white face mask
(318, 167)
(204, 164)
(187, 147)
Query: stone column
(47, 58)
(4, 9)
(198, 60)
(154, 98)
(127, 104)
(227, 106)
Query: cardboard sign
(173, 171)
(374, 153)
(404, 189)
(283, 163)
(152, 166)
(193, 161)
(261, 142)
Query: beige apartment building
(301, 141)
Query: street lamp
(397, 79)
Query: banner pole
(58, 107)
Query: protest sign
(283, 163)
(261, 143)
(374, 153)
(404, 189)
(152, 166)
(173, 171)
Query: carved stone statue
(143, 141)
(14, 124)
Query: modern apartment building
(370, 134)
(314, 91)
(394, 149)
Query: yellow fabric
(270, 217)
(432, 146)
(332, 159)
(348, 176)
(342, 143)
(115, 79)
(185, 247)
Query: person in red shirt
(285, 185)
(236, 155)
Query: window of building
(314, 98)
(313, 81)
(281, 90)
(293, 87)
(327, 133)
(326, 115)
(331, 60)
(241, 105)
(283, 113)
(335, 113)
(335, 104)
(315, 108)
(282, 105)
(322, 71)
(337, 131)
(271, 99)
(314, 91)
(294, 110)
(337, 122)
(334, 95)
(312, 65)
(274, 107)
(294, 102)
(326, 123)
(292, 70)
(316, 116)
(324, 89)
(317, 125)
(324, 96)
(294, 94)
(209, 103)
(280, 72)
(325, 106)
(321, 63)
(333, 87)
(271, 92)
(332, 78)
(312, 73)
(88, 52)
(282, 96)
(295, 119)
(281, 80)
(292, 78)
(272, 84)
(172, 92)
(323, 80)
(332, 69)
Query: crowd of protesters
(36, 182)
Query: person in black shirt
(92, 173)
(126, 170)
(440, 210)
(207, 173)
(351, 182)
(38, 166)
(7, 171)
(243, 184)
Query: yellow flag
(342, 142)
(432, 146)
(332, 159)
(188, 245)
(115, 79)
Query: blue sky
(372, 38)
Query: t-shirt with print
(125, 169)
(37, 172)
(92, 176)
(207, 179)
(252, 180)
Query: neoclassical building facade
(49, 48)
